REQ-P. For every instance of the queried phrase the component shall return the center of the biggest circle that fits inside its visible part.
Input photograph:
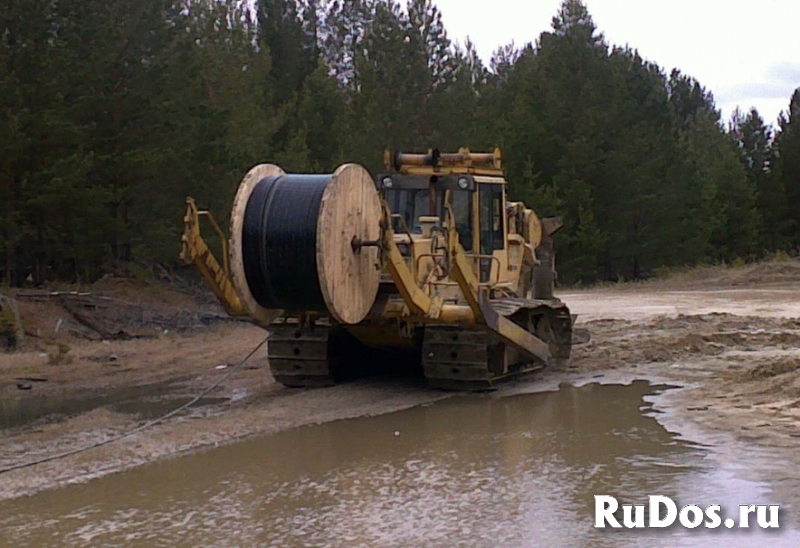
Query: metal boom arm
(195, 250)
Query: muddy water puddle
(475, 471)
(146, 402)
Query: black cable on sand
(129, 433)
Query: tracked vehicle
(427, 264)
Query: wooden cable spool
(291, 243)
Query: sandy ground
(742, 371)
(729, 335)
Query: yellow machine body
(466, 288)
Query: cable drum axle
(292, 242)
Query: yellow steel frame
(417, 305)
(195, 250)
(479, 311)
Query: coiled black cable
(279, 242)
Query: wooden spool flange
(263, 316)
(349, 210)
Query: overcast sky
(747, 52)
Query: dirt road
(730, 335)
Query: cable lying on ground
(138, 429)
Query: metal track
(298, 355)
(454, 358)
(314, 355)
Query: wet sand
(730, 340)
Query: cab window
(491, 218)
(411, 204)
(490, 204)
(461, 202)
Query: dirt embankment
(731, 334)
(114, 335)
(744, 371)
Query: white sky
(747, 52)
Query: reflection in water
(473, 471)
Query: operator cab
(414, 198)
(416, 191)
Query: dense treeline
(112, 111)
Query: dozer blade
(512, 334)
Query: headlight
(387, 182)
(463, 183)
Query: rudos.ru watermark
(661, 512)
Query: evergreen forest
(113, 111)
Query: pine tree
(291, 42)
(343, 30)
(788, 162)
(555, 116)
(454, 108)
(320, 121)
(573, 20)
(688, 99)
(112, 112)
(753, 139)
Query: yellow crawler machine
(427, 264)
